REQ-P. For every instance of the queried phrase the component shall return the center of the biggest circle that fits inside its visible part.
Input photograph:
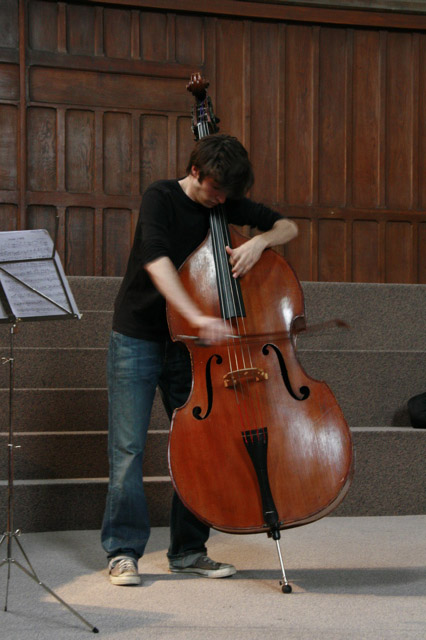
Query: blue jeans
(135, 368)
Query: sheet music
(3, 314)
(37, 269)
(41, 276)
(24, 245)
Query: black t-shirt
(170, 224)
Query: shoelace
(208, 560)
(126, 564)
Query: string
(233, 303)
(232, 307)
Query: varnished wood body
(310, 447)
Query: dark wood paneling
(422, 122)
(184, 144)
(117, 223)
(299, 252)
(299, 115)
(8, 147)
(43, 25)
(365, 256)
(399, 252)
(79, 151)
(117, 33)
(79, 233)
(41, 217)
(401, 97)
(230, 55)
(189, 40)
(332, 250)
(334, 120)
(42, 149)
(8, 217)
(421, 253)
(69, 86)
(80, 30)
(9, 23)
(366, 134)
(153, 143)
(9, 82)
(264, 46)
(154, 36)
(117, 143)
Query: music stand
(33, 287)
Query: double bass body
(255, 384)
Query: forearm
(244, 257)
(282, 232)
(167, 281)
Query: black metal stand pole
(9, 535)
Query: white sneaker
(123, 570)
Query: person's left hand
(244, 257)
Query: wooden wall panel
(117, 143)
(399, 242)
(79, 150)
(8, 217)
(9, 82)
(153, 142)
(43, 25)
(41, 217)
(117, 33)
(8, 147)
(365, 256)
(264, 46)
(41, 149)
(230, 36)
(366, 135)
(189, 40)
(154, 38)
(107, 89)
(116, 223)
(9, 37)
(400, 121)
(300, 253)
(331, 250)
(421, 253)
(79, 232)
(80, 29)
(299, 114)
(334, 119)
(422, 123)
(184, 144)
(332, 123)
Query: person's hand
(244, 257)
(212, 330)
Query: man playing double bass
(173, 222)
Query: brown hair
(224, 159)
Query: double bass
(259, 446)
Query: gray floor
(355, 578)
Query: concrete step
(91, 331)
(52, 456)
(371, 387)
(380, 316)
(93, 293)
(74, 504)
(64, 410)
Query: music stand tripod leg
(8, 534)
